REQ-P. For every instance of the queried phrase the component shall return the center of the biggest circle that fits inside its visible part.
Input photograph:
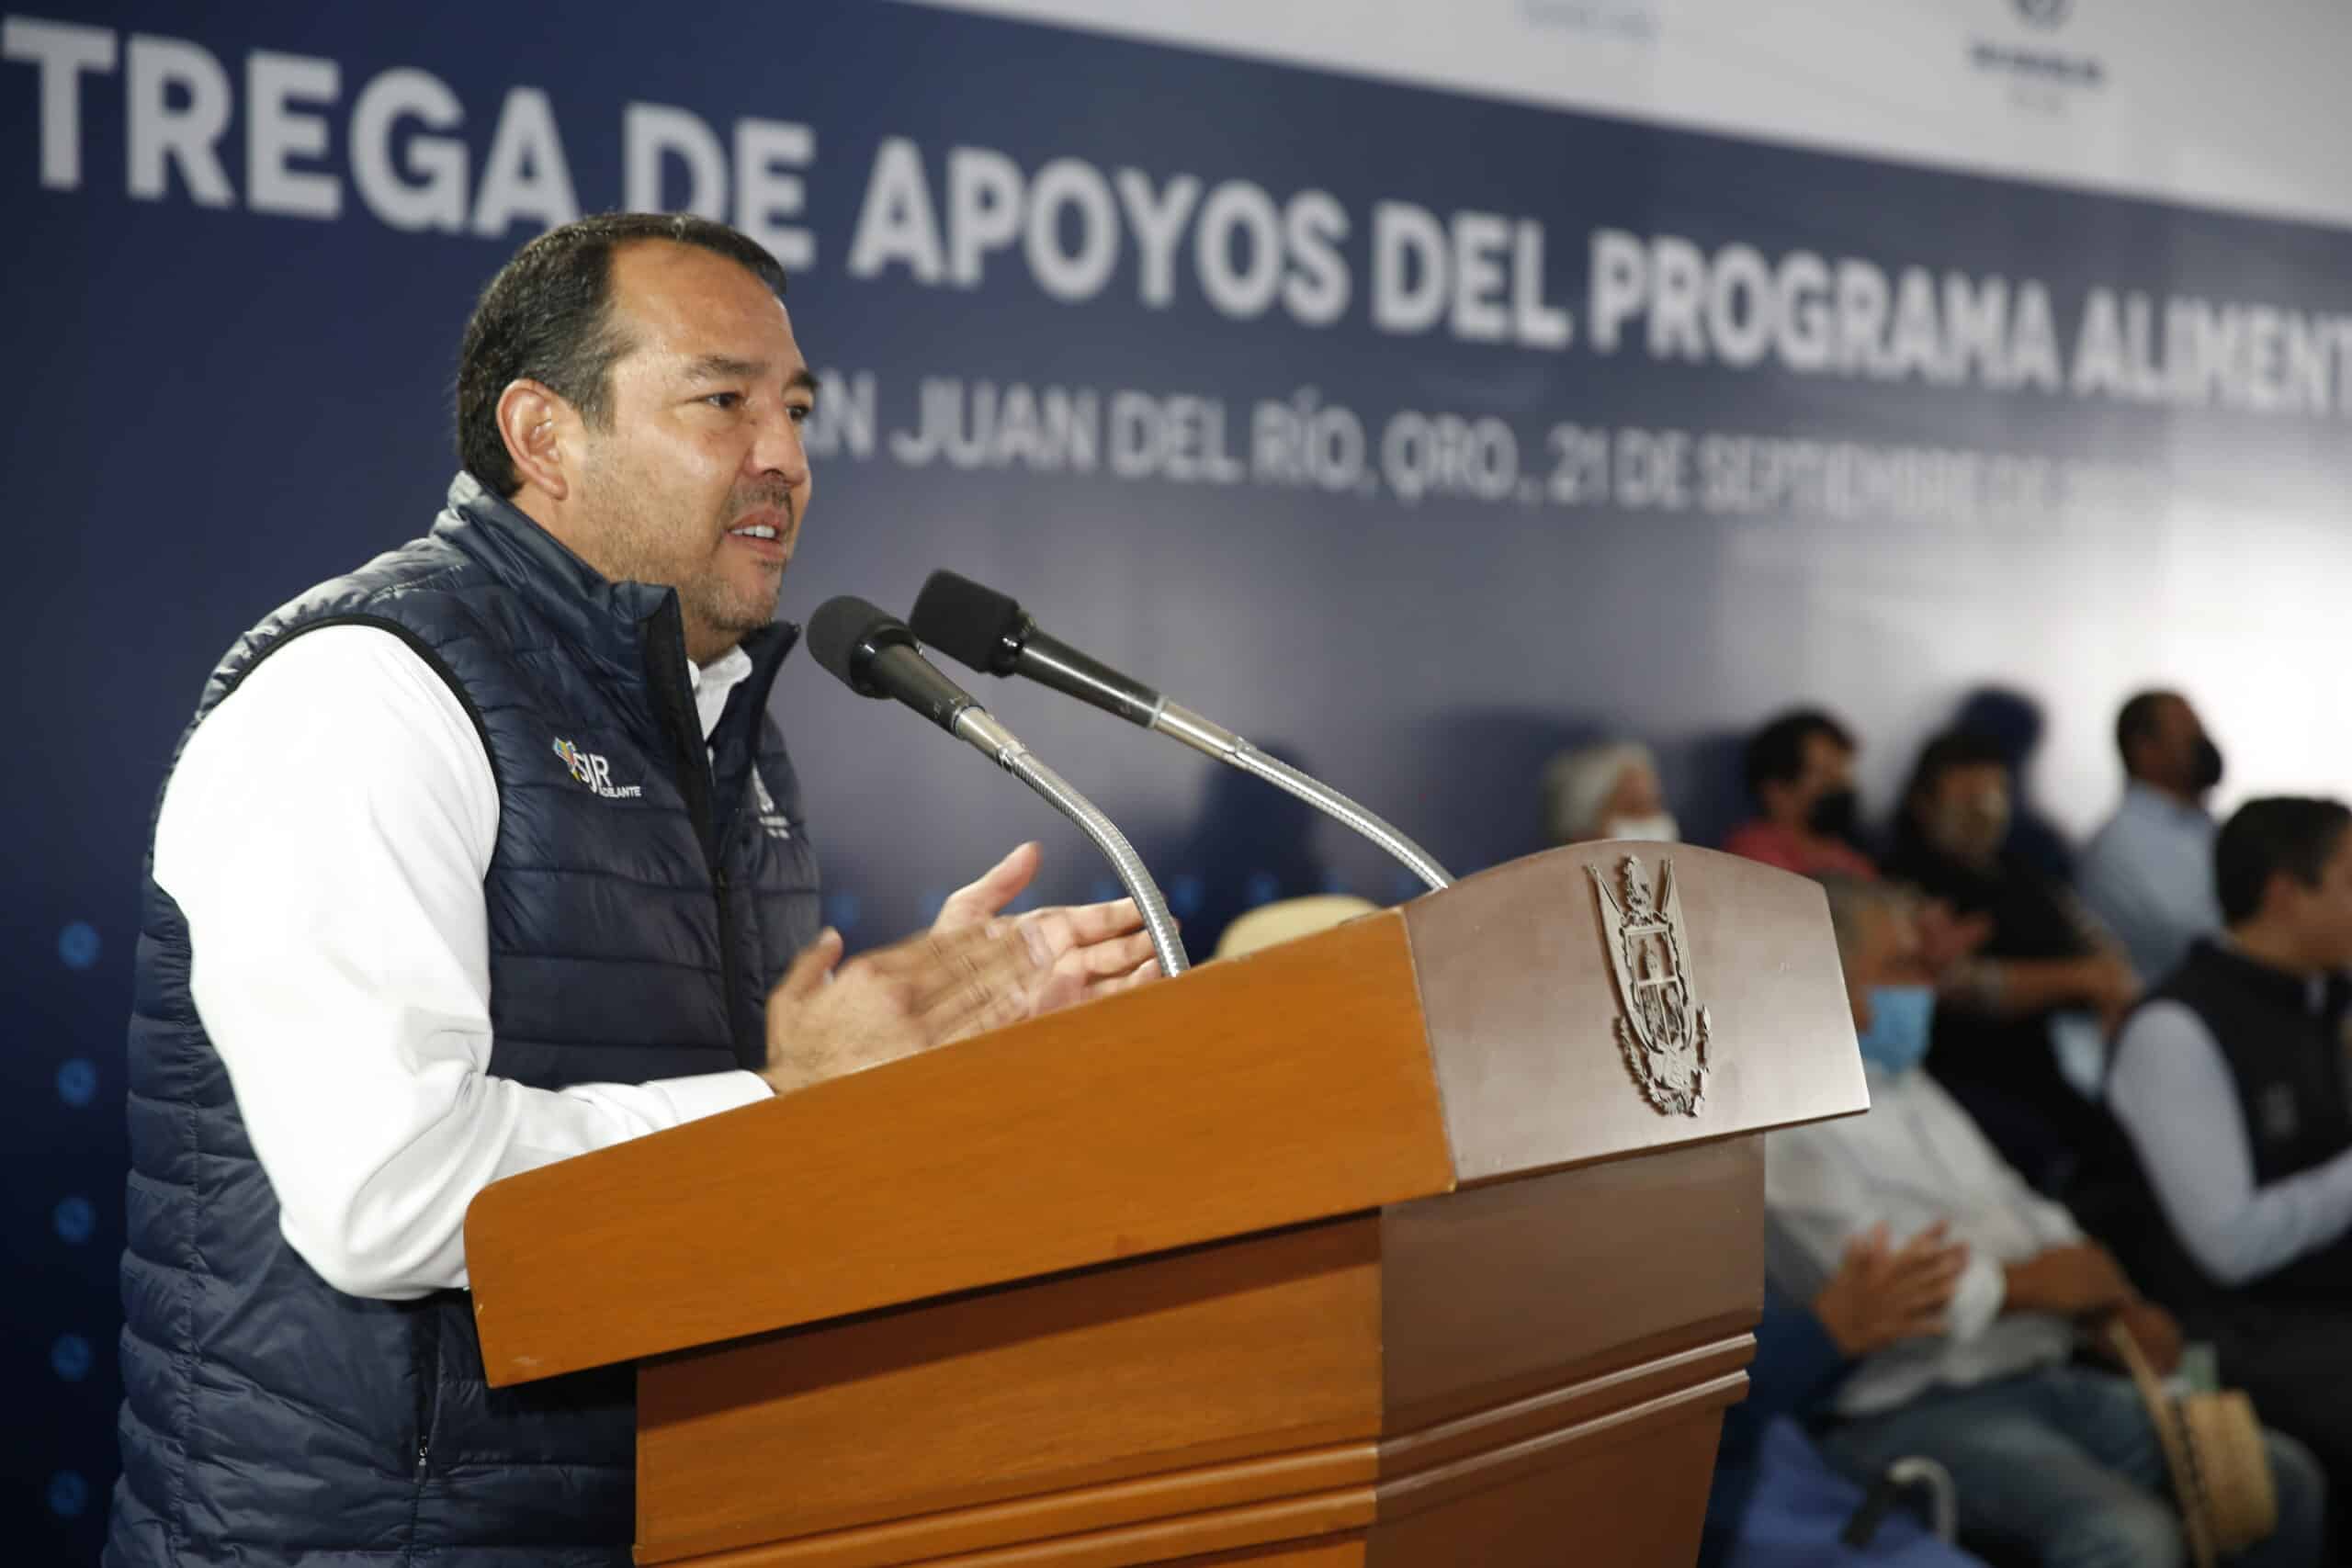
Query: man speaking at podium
(482, 856)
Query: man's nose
(781, 451)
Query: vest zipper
(665, 650)
(428, 1393)
(727, 953)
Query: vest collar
(2303, 994)
(608, 624)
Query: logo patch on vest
(596, 772)
(2282, 1117)
(772, 822)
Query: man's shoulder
(2109, 843)
(421, 570)
(2164, 1022)
(425, 592)
(2165, 1056)
(1769, 844)
(426, 595)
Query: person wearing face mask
(1800, 771)
(2052, 1459)
(2148, 871)
(2043, 958)
(1607, 791)
(2231, 1083)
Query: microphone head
(970, 623)
(846, 632)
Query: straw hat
(1287, 919)
(2212, 1446)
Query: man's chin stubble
(741, 614)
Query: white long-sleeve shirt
(1915, 1158)
(2174, 1096)
(325, 835)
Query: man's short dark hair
(546, 318)
(2284, 833)
(1776, 753)
(2139, 721)
(1950, 752)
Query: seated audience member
(1800, 771)
(2014, 721)
(1881, 1296)
(1609, 790)
(2231, 1085)
(2056, 1461)
(2043, 955)
(2148, 873)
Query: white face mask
(1658, 829)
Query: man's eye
(724, 400)
(801, 412)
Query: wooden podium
(1396, 1244)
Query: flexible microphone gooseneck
(977, 625)
(871, 653)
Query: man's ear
(541, 432)
(2279, 890)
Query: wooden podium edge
(1074, 1140)
(1281, 1498)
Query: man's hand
(1094, 949)
(2111, 988)
(893, 1002)
(1882, 1294)
(974, 970)
(1947, 938)
(2072, 1281)
(2154, 1330)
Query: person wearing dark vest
(487, 854)
(2044, 956)
(2054, 1463)
(2231, 1086)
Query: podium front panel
(1544, 1033)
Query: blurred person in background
(2014, 721)
(1774, 1498)
(2042, 956)
(2057, 1461)
(2231, 1085)
(2148, 871)
(1606, 791)
(1800, 773)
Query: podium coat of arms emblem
(1662, 1029)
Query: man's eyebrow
(727, 367)
(723, 368)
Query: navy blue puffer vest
(643, 897)
(2285, 1058)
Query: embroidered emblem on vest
(772, 822)
(596, 772)
(2281, 1118)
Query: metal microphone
(871, 653)
(977, 625)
